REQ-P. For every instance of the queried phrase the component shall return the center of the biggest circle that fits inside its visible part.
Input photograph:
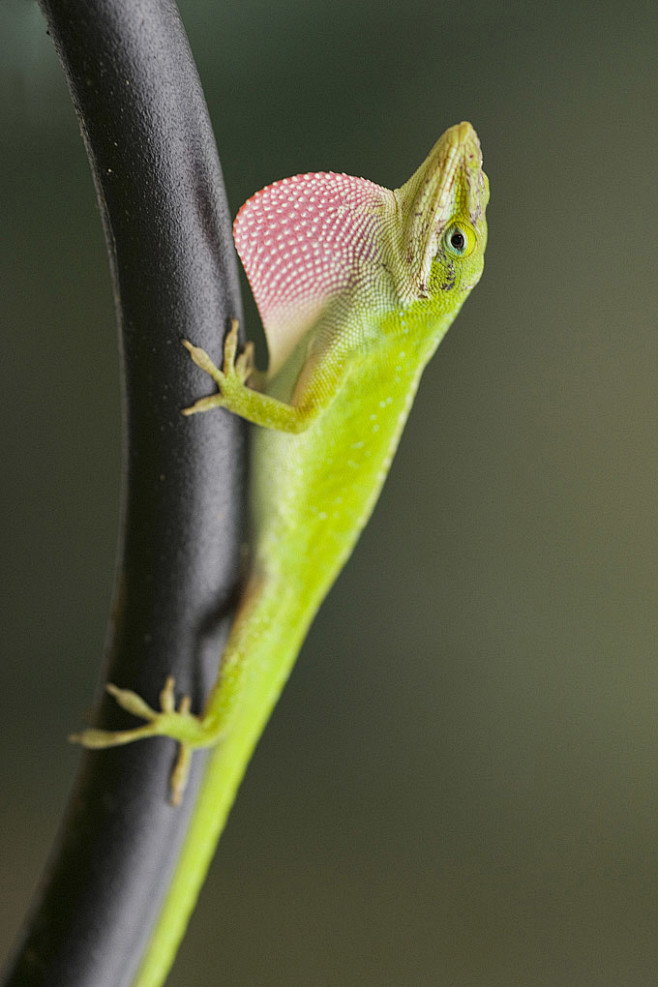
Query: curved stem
(159, 185)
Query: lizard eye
(459, 240)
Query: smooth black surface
(158, 179)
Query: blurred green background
(460, 785)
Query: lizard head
(311, 239)
(443, 230)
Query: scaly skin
(357, 286)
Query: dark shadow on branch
(159, 184)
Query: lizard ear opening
(303, 241)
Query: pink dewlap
(302, 241)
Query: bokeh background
(460, 785)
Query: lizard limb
(235, 395)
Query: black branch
(146, 129)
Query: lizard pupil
(457, 240)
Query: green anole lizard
(356, 286)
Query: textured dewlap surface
(302, 239)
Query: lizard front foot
(179, 724)
(237, 370)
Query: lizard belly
(314, 492)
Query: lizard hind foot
(179, 724)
